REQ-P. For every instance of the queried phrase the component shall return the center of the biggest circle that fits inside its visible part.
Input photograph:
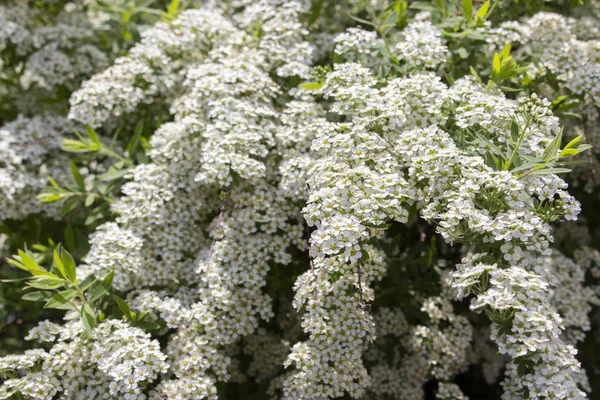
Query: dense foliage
(293, 199)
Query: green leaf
(77, 175)
(468, 9)
(422, 5)
(102, 288)
(552, 148)
(54, 184)
(148, 325)
(93, 137)
(474, 73)
(59, 264)
(74, 146)
(87, 283)
(135, 140)
(172, 10)
(362, 21)
(123, 307)
(49, 197)
(113, 174)
(496, 68)
(514, 131)
(108, 279)
(568, 153)
(505, 52)
(462, 53)
(89, 200)
(481, 14)
(573, 143)
(311, 85)
(38, 295)
(60, 299)
(70, 205)
(46, 282)
(28, 262)
(69, 264)
(548, 171)
(557, 102)
(88, 317)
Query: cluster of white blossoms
(422, 46)
(252, 178)
(209, 212)
(114, 361)
(55, 48)
(28, 152)
(469, 201)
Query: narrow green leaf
(311, 85)
(123, 307)
(514, 131)
(108, 279)
(77, 175)
(573, 143)
(88, 317)
(54, 184)
(548, 171)
(46, 282)
(135, 140)
(92, 135)
(468, 9)
(89, 200)
(103, 287)
(70, 205)
(474, 73)
(60, 299)
(496, 68)
(59, 264)
(172, 10)
(69, 264)
(506, 51)
(38, 295)
(27, 261)
(112, 174)
(17, 264)
(148, 325)
(481, 14)
(74, 146)
(87, 283)
(568, 153)
(552, 148)
(49, 197)
(362, 21)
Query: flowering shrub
(299, 200)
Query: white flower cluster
(451, 190)
(356, 43)
(115, 360)
(333, 295)
(245, 162)
(28, 154)
(422, 46)
(62, 53)
(207, 213)
(555, 38)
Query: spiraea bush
(293, 199)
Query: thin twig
(46, 139)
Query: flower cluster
(303, 231)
